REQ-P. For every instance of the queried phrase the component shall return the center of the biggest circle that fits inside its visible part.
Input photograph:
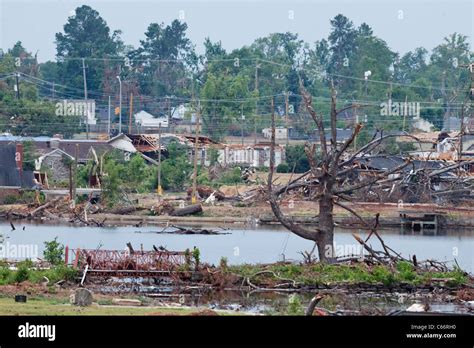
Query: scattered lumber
(188, 230)
(205, 191)
(189, 210)
(42, 207)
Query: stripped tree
(330, 178)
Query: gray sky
(405, 24)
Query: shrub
(383, 275)
(196, 257)
(23, 271)
(6, 275)
(53, 252)
(223, 264)
(282, 168)
(10, 199)
(406, 270)
(294, 305)
(231, 176)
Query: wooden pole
(194, 198)
(257, 66)
(159, 189)
(76, 155)
(405, 112)
(286, 118)
(70, 181)
(131, 114)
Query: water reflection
(260, 245)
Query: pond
(264, 244)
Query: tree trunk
(325, 240)
(190, 209)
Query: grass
(25, 271)
(319, 274)
(60, 306)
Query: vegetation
(320, 273)
(26, 271)
(53, 252)
(295, 307)
(44, 306)
(226, 83)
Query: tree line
(165, 71)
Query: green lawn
(41, 306)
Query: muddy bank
(225, 214)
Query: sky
(404, 24)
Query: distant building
(281, 133)
(56, 163)
(146, 120)
(257, 155)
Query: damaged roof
(391, 162)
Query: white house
(253, 155)
(280, 133)
(147, 120)
(122, 142)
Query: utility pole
(356, 121)
(286, 118)
(70, 182)
(461, 133)
(159, 189)
(242, 117)
(74, 188)
(85, 96)
(108, 122)
(17, 86)
(120, 104)
(194, 198)
(405, 112)
(131, 114)
(446, 118)
(470, 96)
(169, 113)
(54, 92)
(257, 66)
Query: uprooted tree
(336, 178)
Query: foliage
(196, 257)
(165, 67)
(231, 176)
(112, 190)
(294, 305)
(282, 168)
(223, 264)
(316, 274)
(296, 158)
(53, 252)
(23, 271)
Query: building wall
(255, 157)
(57, 169)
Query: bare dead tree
(326, 176)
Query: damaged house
(419, 180)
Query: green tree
(53, 252)
(167, 55)
(86, 35)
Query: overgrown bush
(294, 305)
(231, 176)
(53, 252)
(23, 271)
(282, 168)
